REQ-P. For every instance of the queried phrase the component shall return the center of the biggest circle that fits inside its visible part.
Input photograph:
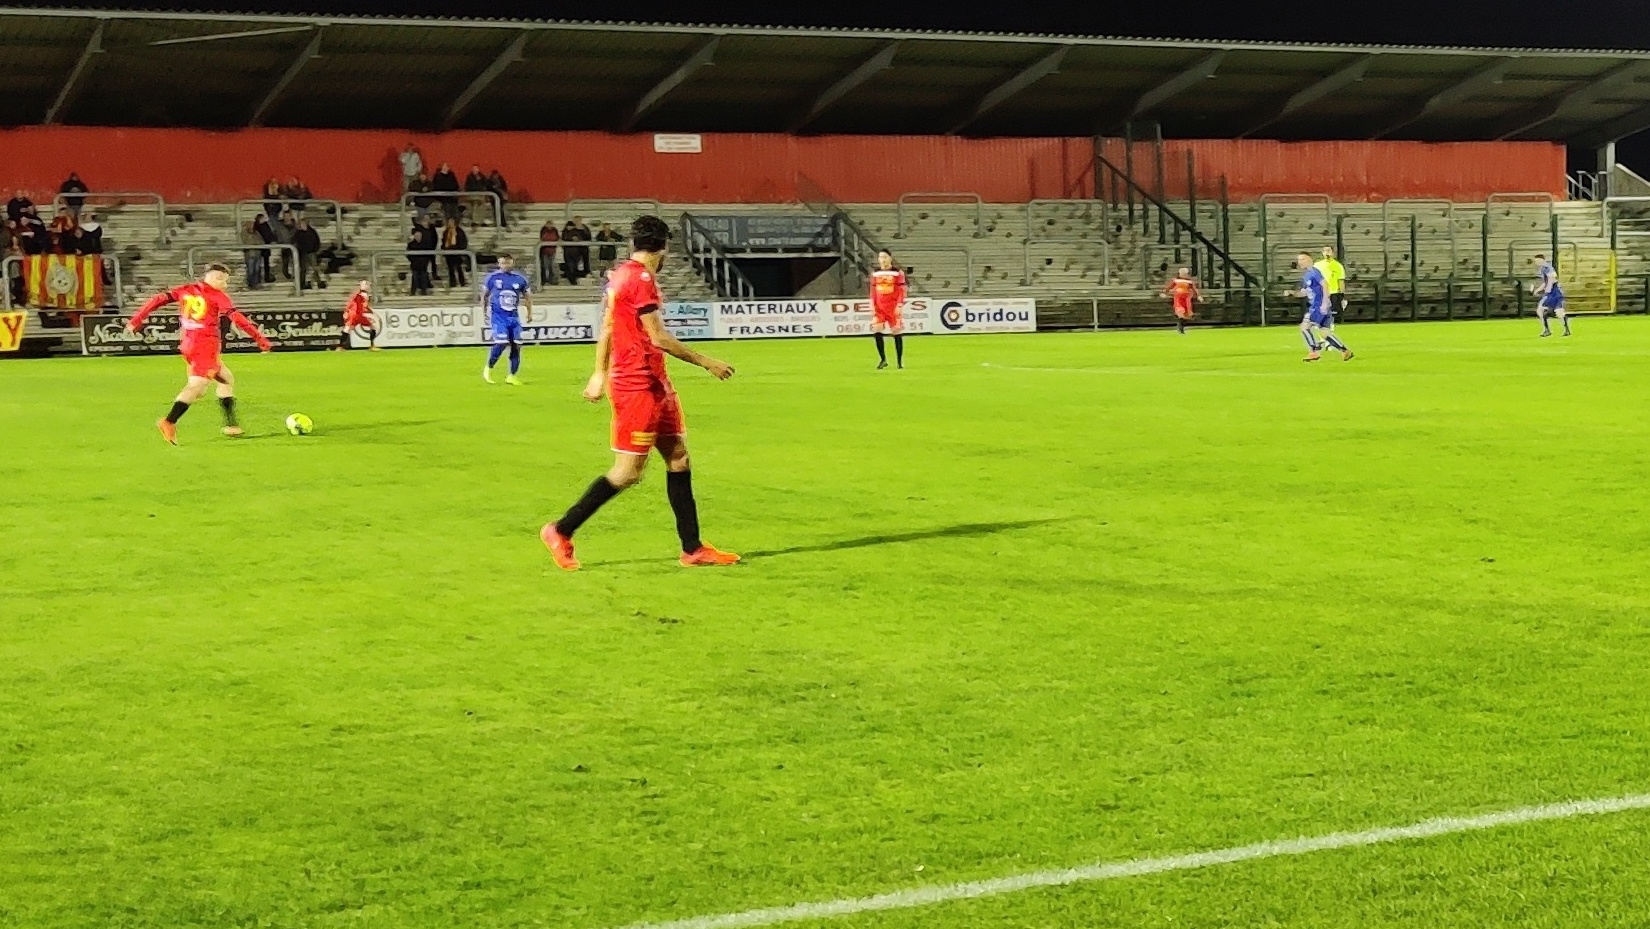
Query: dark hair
(217, 266)
(649, 234)
(891, 259)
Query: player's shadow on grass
(960, 531)
(348, 429)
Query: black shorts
(1337, 303)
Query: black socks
(178, 409)
(882, 349)
(899, 349)
(679, 487)
(600, 491)
(228, 404)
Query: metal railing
(1587, 185)
(713, 262)
(1543, 245)
(1268, 200)
(643, 206)
(104, 262)
(939, 197)
(375, 261)
(1537, 197)
(968, 260)
(1413, 206)
(241, 250)
(334, 208)
(856, 245)
(1088, 205)
(120, 199)
(407, 199)
(1105, 256)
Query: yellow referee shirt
(1334, 275)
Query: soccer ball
(299, 424)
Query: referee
(1334, 279)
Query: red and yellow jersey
(635, 363)
(358, 310)
(200, 307)
(1183, 290)
(888, 290)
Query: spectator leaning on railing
(476, 183)
(577, 257)
(496, 184)
(62, 232)
(69, 188)
(266, 233)
(419, 187)
(548, 237)
(445, 182)
(274, 200)
(607, 254)
(308, 243)
(453, 239)
(297, 195)
(91, 236)
(251, 249)
(18, 205)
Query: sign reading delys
(778, 232)
(289, 330)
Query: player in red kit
(358, 317)
(630, 368)
(1182, 289)
(887, 297)
(200, 306)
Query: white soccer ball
(299, 424)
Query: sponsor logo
(956, 316)
(782, 308)
(11, 331)
(746, 330)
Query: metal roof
(112, 67)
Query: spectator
(284, 230)
(73, 185)
(32, 238)
(91, 236)
(495, 183)
(273, 199)
(308, 243)
(422, 239)
(18, 205)
(62, 232)
(266, 232)
(548, 237)
(9, 246)
(607, 254)
(412, 167)
(453, 239)
(419, 187)
(252, 249)
(445, 182)
(298, 193)
(576, 258)
(476, 183)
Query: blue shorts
(507, 329)
(1553, 300)
(1321, 317)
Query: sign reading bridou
(289, 330)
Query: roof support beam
(311, 49)
(703, 56)
(508, 56)
(1463, 89)
(219, 36)
(871, 67)
(1617, 129)
(1200, 70)
(71, 84)
(1007, 90)
(1590, 93)
(1312, 93)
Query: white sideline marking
(1101, 871)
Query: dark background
(1613, 24)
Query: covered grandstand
(1073, 171)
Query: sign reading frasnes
(777, 319)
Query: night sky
(1617, 24)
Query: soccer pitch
(1034, 603)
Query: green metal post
(1552, 229)
(1128, 166)
(1226, 233)
(1191, 188)
(1449, 299)
(1414, 269)
(1484, 260)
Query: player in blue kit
(1552, 297)
(1319, 318)
(506, 293)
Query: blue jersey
(1549, 278)
(1315, 289)
(504, 290)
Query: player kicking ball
(888, 290)
(647, 416)
(507, 293)
(1552, 298)
(1319, 318)
(1182, 290)
(359, 318)
(200, 306)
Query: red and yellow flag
(11, 331)
(64, 282)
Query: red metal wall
(199, 166)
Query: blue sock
(515, 358)
(1334, 343)
(493, 355)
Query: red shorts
(358, 319)
(203, 360)
(1183, 310)
(889, 318)
(641, 416)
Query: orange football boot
(707, 555)
(168, 430)
(560, 546)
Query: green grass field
(1035, 602)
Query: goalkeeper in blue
(1552, 297)
(1319, 318)
(506, 293)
